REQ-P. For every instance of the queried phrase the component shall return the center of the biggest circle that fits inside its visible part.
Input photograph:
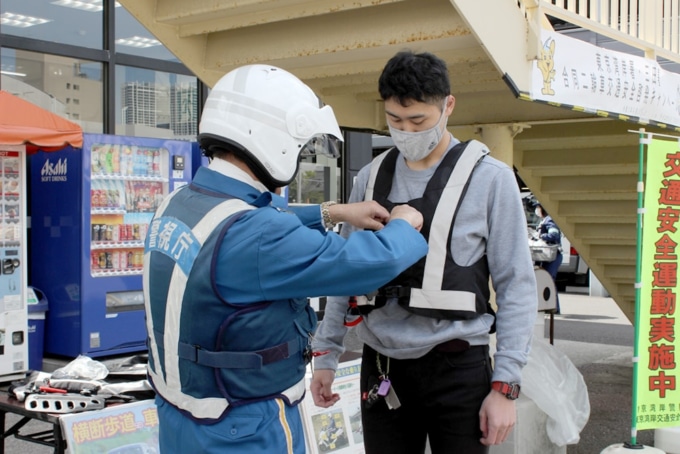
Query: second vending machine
(90, 210)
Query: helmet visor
(323, 144)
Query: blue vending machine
(90, 210)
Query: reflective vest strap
(238, 360)
(443, 216)
(375, 166)
(178, 281)
(442, 300)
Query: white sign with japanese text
(337, 429)
(117, 429)
(578, 74)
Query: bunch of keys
(386, 391)
(371, 397)
(382, 390)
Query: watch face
(513, 392)
(509, 390)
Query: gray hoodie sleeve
(512, 275)
(330, 336)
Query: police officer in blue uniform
(549, 232)
(228, 268)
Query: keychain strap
(380, 371)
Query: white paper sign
(575, 73)
(336, 429)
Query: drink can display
(109, 260)
(115, 160)
(96, 231)
(115, 260)
(115, 234)
(95, 160)
(156, 163)
(139, 258)
(94, 257)
(108, 163)
(102, 260)
(142, 231)
(123, 263)
(130, 259)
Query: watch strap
(509, 390)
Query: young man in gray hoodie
(426, 370)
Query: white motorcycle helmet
(269, 118)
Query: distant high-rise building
(145, 103)
(139, 103)
(183, 110)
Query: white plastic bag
(82, 367)
(557, 387)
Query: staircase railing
(650, 25)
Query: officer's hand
(369, 215)
(321, 388)
(408, 214)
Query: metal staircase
(582, 167)
(586, 177)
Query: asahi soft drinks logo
(54, 171)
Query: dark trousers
(440, 393)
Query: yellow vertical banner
(658, 396)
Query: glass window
(50, 82)
(314, 183)
(76, 22)
(132, 38)
(156, 104)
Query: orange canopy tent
(23, 123)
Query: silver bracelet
(326, 214)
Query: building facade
(92, 63)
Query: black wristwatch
(509, 390)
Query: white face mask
(417, 145)
(538, 212)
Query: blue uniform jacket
(269, 254)
(549, 232)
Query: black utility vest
(435, 286)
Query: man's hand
(369, 215)
(321, 388)
(496, 418)
(408, 214)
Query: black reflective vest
(435, 286)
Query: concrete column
(499, 139)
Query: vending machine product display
(90, 212)
(13, 283)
